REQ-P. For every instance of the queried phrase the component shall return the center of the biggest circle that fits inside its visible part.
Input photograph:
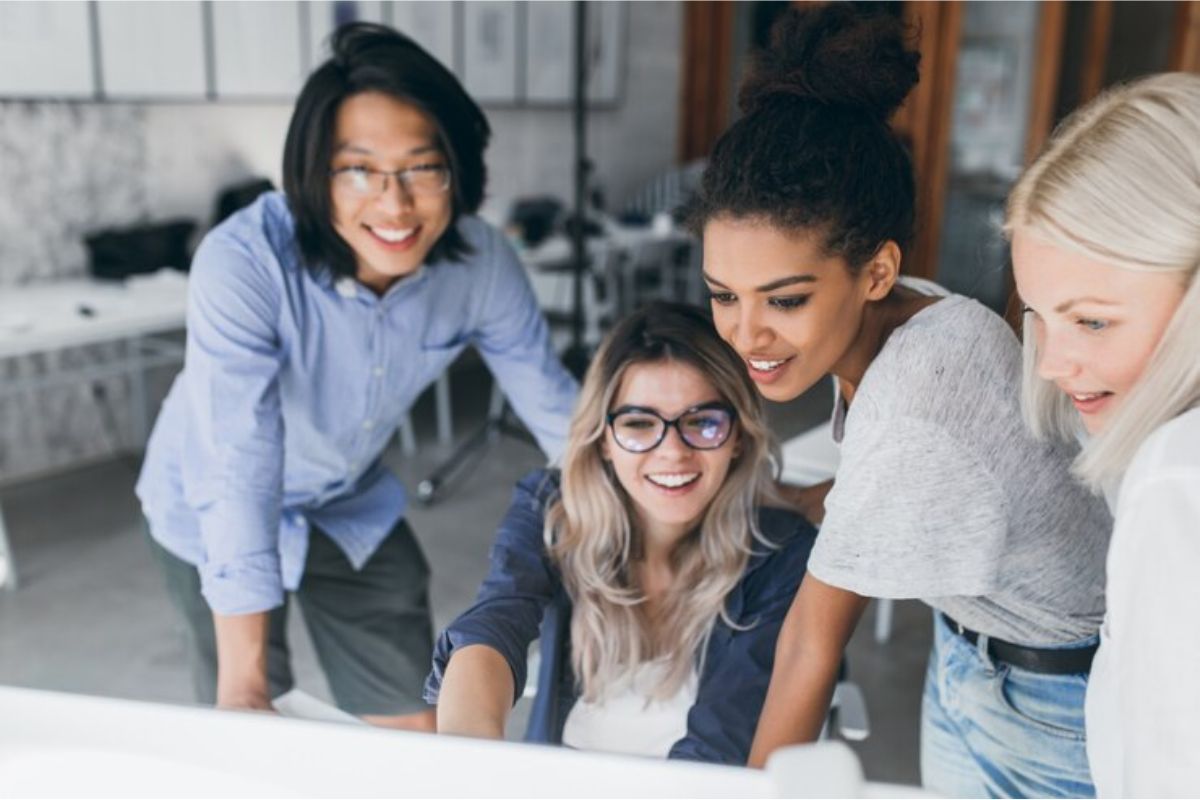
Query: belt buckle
(958, 626)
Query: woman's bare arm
(476, 693)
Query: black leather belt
(1069, 661)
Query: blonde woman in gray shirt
(942, 495)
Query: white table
(51, 316)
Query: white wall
(194, 149)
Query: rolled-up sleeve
(519, 586)
(514, 340)
(233, 462)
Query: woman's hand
(477, 693)
(808, 657)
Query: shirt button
(377, 372)
(368, 424)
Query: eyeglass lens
(418, 180)
(702, 429)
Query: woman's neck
(654, 568)
(878, 323)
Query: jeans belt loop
(981, 646)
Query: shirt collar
(349, 288)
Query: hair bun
(835, 55)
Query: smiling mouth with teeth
(673, 481)
(393, 235)
(766, 366)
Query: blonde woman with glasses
(1105, 230)
(656, 575)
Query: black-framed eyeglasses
(421, 180)
(639, 430)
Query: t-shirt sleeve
(913, 513)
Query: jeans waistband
(1047, 661)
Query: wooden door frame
(925, 121)
(706, 77)
(1185, 46)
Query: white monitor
(54, 744)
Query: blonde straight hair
(590, 527)
(1120, 183)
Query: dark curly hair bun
(836, 55)
(814, 151)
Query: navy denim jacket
(523, 597)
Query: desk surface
(49, 316)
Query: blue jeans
(989, 729)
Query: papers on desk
(299, 704)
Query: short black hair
(375, 58)
(814, 151)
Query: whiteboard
(46, 50)
(325, 16)
(257, 49)
(430, 25)
(152, 50)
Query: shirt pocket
(438, 352)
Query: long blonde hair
(1120, 183)
(589, 527)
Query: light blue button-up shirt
(293, 385)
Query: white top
(629, 720)
(1143, 700)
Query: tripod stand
(576, 357)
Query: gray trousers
(371, 628)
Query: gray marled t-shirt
(943, 495)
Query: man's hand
(242, 661)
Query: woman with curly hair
(941, 495)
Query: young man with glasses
(316, 317)
(649, 566)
